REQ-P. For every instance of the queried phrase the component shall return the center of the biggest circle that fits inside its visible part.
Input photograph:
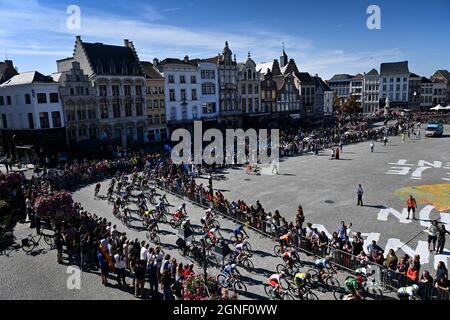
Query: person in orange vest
(412, 205)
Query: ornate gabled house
(229, 109)
(118, 83)
(249, 88)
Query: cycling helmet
(233, 266)
(415, 288)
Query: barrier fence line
(388, 279)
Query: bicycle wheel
(332, 282)
(156, 239)
(222, 280)
(287, 297)
(48, 240)
(248, 264)
(239, 287)
(281, 268)
(163, 218)
(314, 275)
(173, 223)
(338, 294)
(277, 250)
(247, 247)
(28, 244)
(311, 296)
(269, 290)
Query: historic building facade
(119, 83)
(394, 83)
(249, 87)
(156, 102)
(32, 123)
(371, 92)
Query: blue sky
(324, 37)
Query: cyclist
(287, 258)
(230, 270)
(97, 189)
(285, 240)
(322, 265)
(207, 218)
(213, 235)
(181, 212)
(275, 282)
(351, 287)
(408, 293)
(240, 231)
(142, 207)
(161, 206)
(239, 251)
(110, 191)
(300, 281)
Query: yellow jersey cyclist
(300, 281)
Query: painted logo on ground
(437, 194)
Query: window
(54, 98)
(138, 90)
(183, 94)
(384, 87)
(104, 111)
(8, 100)
(150, 119)
(173, 114)
(43, 118)
(56, 119)
(172, 94)
(30, 121)
(139, 110)
(27, 99)
(243, 89)
(171, 79)
(93, 132)
(256, 89)
(72, 133)
(161, 90)
(91, 113)
(82, 132)
(391, 80)
(41, 98)
(102, 90)
(404, 86)
(250, 89)
(397, 87)
(398, 80)
(157, 119)
(183, 113)
(2, 101)
(203, 74)
(128, 110)
(4, 121)
(161, 103)
(70, 115)
(127, 90)
(81, 112)
(115, 91)
(155, 104)
(194, 94)
(193, 79)
(72, 92)
(208, 88)
(194, 112)
(182, 79)
(87, 91)
(384, 80)
(154, 90)
(116, 110)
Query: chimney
(186, 59)
(78, 38)
(155, 62)
(126, 42)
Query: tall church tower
(284, 59)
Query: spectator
(403, 265)
(414, 270)
(442, 232)
(391, 260)
(139, 273)
(119, 259)
(104, 268)
(441, 271)
(432, 231)
(358, 244)
(426, 278)
(166, 282)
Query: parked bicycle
(31, 242)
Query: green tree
(336, 102)
(351, 105)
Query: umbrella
(438, 108)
